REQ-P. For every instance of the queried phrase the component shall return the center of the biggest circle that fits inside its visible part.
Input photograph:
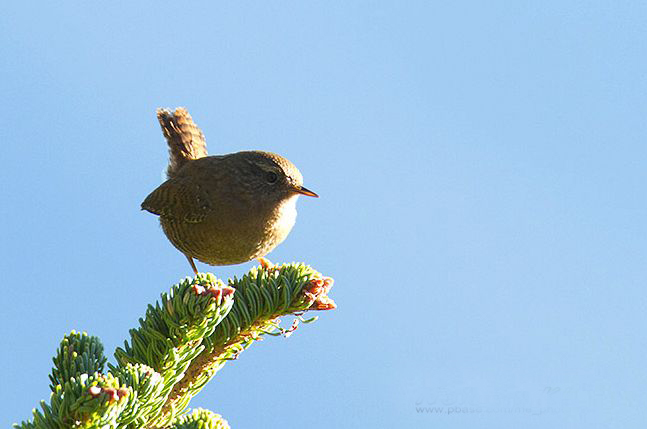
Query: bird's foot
(190, 259)
(265, 263)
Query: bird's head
(274, 175)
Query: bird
(222, 209)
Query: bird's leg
(190, 259)
(265, 263)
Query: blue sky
(481, 167)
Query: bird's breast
(283, 219)
(233, 236)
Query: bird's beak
(305, 191)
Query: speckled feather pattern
(185, 140)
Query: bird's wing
(178, 199)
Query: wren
(224, 209)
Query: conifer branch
(179, 346)
(262, 295)
(78, 354)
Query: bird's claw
(265, 263)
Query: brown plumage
(227, 209)
(185, 140)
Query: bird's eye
(271, 177)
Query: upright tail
(185, 140)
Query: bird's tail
(185, 139)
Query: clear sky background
(481, 167)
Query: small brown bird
(227, 209)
